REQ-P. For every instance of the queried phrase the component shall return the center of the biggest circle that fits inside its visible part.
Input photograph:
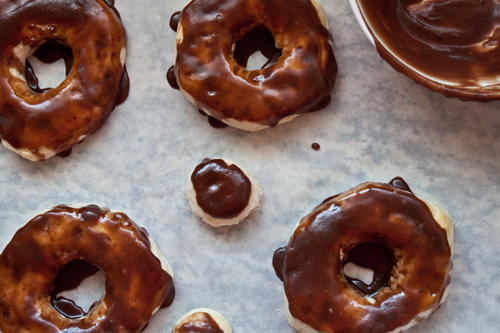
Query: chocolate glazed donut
(138, 278)
(412, 235)
(210, 77)
(39, 124)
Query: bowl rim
(361, 21)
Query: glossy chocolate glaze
(222, 191)
(203, 323)
(52, 51)
(448, 46)
(54, 120)
(382, 214)
(136, 284)
(208, 71)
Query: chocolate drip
(212, 121)
(174, 21)
(70, 277)
(65, 153)
(259, 39)
(124, 87)
(325, 101)
(111, 4)
(171, 78)
(400, 183)
(67, 308)
(216, 123)
(203, 323)
(33, 80)
(376, 257)
(169, 298)
(222, 191)
(315, 146)
(278, 261)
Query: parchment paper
(379, 125)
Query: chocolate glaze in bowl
(449, 46)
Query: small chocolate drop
(315, 146)
(222, 190)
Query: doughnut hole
(77, 288)
(367, 268)
(48, 66)
(256, 49)
(363, 274)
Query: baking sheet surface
(379, 125)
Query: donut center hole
(48, 66)
(363, 274)
(368, 267)
(78, 286)
(256, 50)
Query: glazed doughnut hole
(77, 287)
(256, 49)
(48, 66)
(367, 267)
